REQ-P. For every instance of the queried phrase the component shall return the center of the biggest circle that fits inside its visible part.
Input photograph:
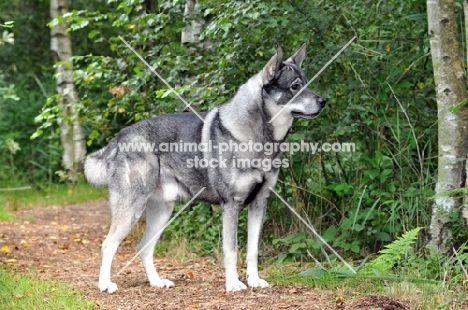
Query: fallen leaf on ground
(190, 274)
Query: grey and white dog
(152, 181)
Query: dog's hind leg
(128, 195)
(124, 216)
(158, 212)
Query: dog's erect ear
(272, 66)
(298, 56)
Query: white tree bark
(71, 132)
(465, 200)
(191, 33)
(450, 80)
(465, 13)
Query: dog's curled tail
(95, 168)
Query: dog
(151, 181)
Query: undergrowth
(424, 278)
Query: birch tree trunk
(465, 202)
(450, 81)
(191, 33)
(71, 132)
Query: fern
(392, 254)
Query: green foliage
(7, 37)
(457, 226)
(25, 80)
(297, 243)
(393, 253)
(24, 292)
(8, 146)
(457, 107)
(200, 227)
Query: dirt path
(63, 243)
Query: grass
(5, 215)
(23, 292)
(419, 293)
(55, 194)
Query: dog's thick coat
(152, 181)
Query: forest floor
(63, 244)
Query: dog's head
(283, 92)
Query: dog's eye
(296, 86)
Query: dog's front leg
(257, 211)
(230, 221)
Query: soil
(63, 244)
(372, 302)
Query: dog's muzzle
(322, 102)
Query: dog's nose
(322, 102)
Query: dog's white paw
(161, 283)
(235, 285)
(257, 282)
(110, 287)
